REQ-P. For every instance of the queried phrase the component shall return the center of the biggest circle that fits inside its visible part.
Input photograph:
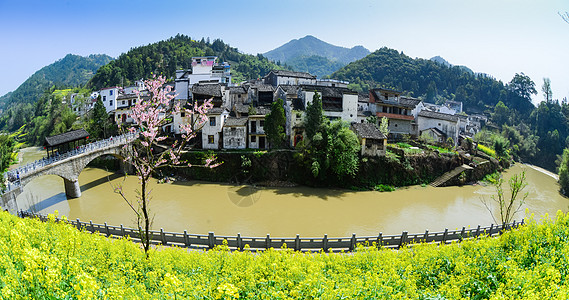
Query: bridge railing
(12, 177)
(238, 242)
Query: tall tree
(521, 88)
(314, 117)
(546, 89)
(150, 115)
(99, 122)
(275, 123)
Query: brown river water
(201, 207)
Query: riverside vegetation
(54, 260)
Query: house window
(104, 98)
(253, 139)
(183, 114)
(211, 121)
(210, 139)
(111, 92)
(111, 102)
(262, 123)
(233, 129)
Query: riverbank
(544, 171)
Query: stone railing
(12, 178)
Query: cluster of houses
(237, 118)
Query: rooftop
(233, 122)
(286, 73)
(213, 90)
(67, 137)
(327, 91)
(367, 130)
(438, 115)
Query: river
(225, 209)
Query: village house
(211, 130)
(108, 96)
(256, 134)
(398, 110)
(445, 123)
(235, 133)
(204, 69)
(284, 77)
(372, 141)
(337, 103)
(260, 94)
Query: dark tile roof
(438, 115)
(363, 98)
(66, 137)
(213, 90)
(264, 88)
(216, 110)
(409, 102)
(262, 111)
(242, 108)
(290, 89)
(237, 90)
(327, 91)
(368, 131)
(293, 74)
(234, 122)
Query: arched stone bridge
(67, 166)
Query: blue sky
(498, 37)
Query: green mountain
(70, 71)
(311, 46)
(315, 65)
(165, 57)
(317, 57)
(432, 80)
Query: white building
(204, 69)
(211, 138)
(447, 124)
(109, 96)
(235, 133)
(280, 77)
(337, 103)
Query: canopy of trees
(165, 57)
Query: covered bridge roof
(67, 137)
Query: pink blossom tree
(150, 114)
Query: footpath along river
(225, 209)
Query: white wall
(448, 127)
(208, 130)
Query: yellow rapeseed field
(55, 261)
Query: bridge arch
(68, 167)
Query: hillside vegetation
(429, 79)
(70, 71)
(54, 260)
(165, 57)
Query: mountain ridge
(71, 70)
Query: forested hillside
(165, 57)
(70, 71)
(431, 80)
